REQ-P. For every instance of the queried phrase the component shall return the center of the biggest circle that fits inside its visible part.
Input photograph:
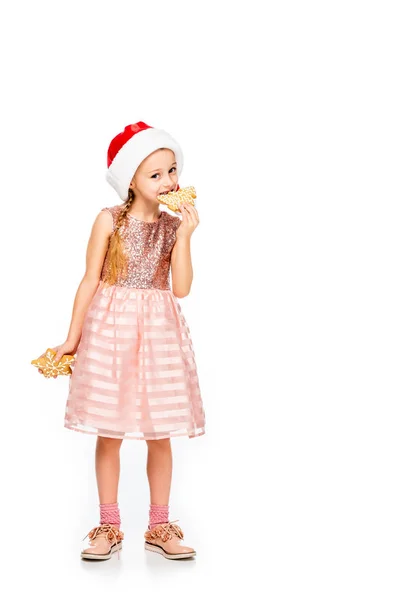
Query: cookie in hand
(173, 200)
(48, 367)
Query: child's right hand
(65, 348)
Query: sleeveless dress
(135, 374)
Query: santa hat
(130, 147)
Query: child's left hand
(190, 220)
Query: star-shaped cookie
(48, 367)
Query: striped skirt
(135, 373)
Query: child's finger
(188, 208)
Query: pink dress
(135, 374)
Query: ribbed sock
(158, 514)
(109, 513)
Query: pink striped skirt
(135, 373)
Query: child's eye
(171, 169)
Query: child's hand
(190, 220)
(65, 348)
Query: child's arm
(95, 254)
(181, 261)
(181, 268)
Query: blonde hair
(117, 258)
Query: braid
(117, 257)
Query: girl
(135, 374)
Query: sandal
(165, 540)
(105, 539)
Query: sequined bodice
(148, 246)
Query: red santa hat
(130, 147)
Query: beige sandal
(104, 541)
(165, 540)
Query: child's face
(156, 174)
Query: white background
(289, 123)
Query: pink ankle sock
(158, 514)
(109, 513)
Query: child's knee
(159, 444)
(104, 442)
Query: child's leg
(166, 539)
(107, 474)
(159, 473)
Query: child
(134, 375)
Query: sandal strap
(165, 531)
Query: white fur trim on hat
(134, 151)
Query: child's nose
(168, 180)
